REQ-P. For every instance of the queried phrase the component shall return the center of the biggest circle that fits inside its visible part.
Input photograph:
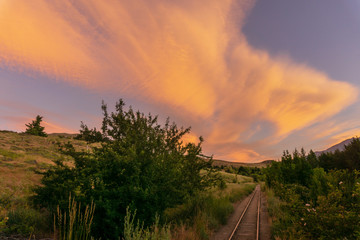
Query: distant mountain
(339, 146)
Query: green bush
(136, 231)
(207, 212)
(9, 155)
(238, 194)
(34, 128)
(139, 164)
(26, 220)
(3, 220)
(313, 202)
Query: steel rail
(258, 218)
(242, 215)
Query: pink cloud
(188, 56)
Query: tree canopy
(34, 128)
(139, 164)
(320, 196)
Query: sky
(254, 78)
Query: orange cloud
(190, 138)
(18, 122)
(56, 128)
(189, 56)
(344, 135)
(34, 37)
(243, 155)
(288, 95)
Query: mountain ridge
(339, 146)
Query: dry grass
(20, 156)
(241, 164)
(235, 178)
(211, 209)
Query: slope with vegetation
(314, 197)
(134, 179)
(21, 157)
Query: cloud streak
(189, 56)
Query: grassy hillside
(20, 156)
(241, 164)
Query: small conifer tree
(35, 128)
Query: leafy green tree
(312, 159)
(321, 196)
(140, 164)
(89, 135)
(34, 128)
(352, 154)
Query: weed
(25, 220)
(206, 212)
(9, 154)
(16, 148)
(237, 194)
(30, 161)
(74, 224)
(3, 219)
(137, 232)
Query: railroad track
(248, 225)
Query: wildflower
(304, 224)
(340, 182)
(308, 205)
(314, 209)
(302, 219)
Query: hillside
(21, 155)
(224, 163)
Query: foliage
(347, 159)
(89, 135)
(34, 128)
(139, 164)
(206, 212)
(74, 224)
(316, 203)
(3, 220)
(134, 231)
(26, 221)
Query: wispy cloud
(190, 56)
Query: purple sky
(253, 78)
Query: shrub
(34, 128)
(26, 220)
(206, 212)
(139, 164)
(137, 231)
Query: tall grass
(74, 224)
(136, 231)
(282, 220)
(3, 219)
(205, 213)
